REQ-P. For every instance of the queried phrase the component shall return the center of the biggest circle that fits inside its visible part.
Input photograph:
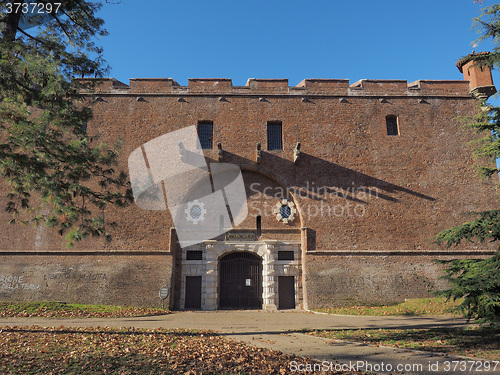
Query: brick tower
(478, 75)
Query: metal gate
(240, 281)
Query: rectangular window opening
(259, 225)
(274, 135)
(392, 125)
(286, 255)
(194, 255)
(206, 134)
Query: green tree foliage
(477, 281)
(57, 175)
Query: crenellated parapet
(280, 87)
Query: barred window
(194, 255)
(391, 122)
(285, 255)
(274, 135)
(206, 134)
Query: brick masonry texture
(356, 188)
(344, 280)
(110, 279)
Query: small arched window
(392, 124)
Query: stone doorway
(275, 258)
(240, 281)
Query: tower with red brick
(478, 73)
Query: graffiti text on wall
(75, 275)
(11, 282)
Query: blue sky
(242, 39)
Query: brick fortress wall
(357, 189)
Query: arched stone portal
(208, 266)
(240, 281)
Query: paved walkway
(281, 331)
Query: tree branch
(77, 23)
(35, 38)
(62, 26)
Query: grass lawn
(63, 310)
(411, 307)
(133, 351)
(481, 342)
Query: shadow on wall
(311, 176)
